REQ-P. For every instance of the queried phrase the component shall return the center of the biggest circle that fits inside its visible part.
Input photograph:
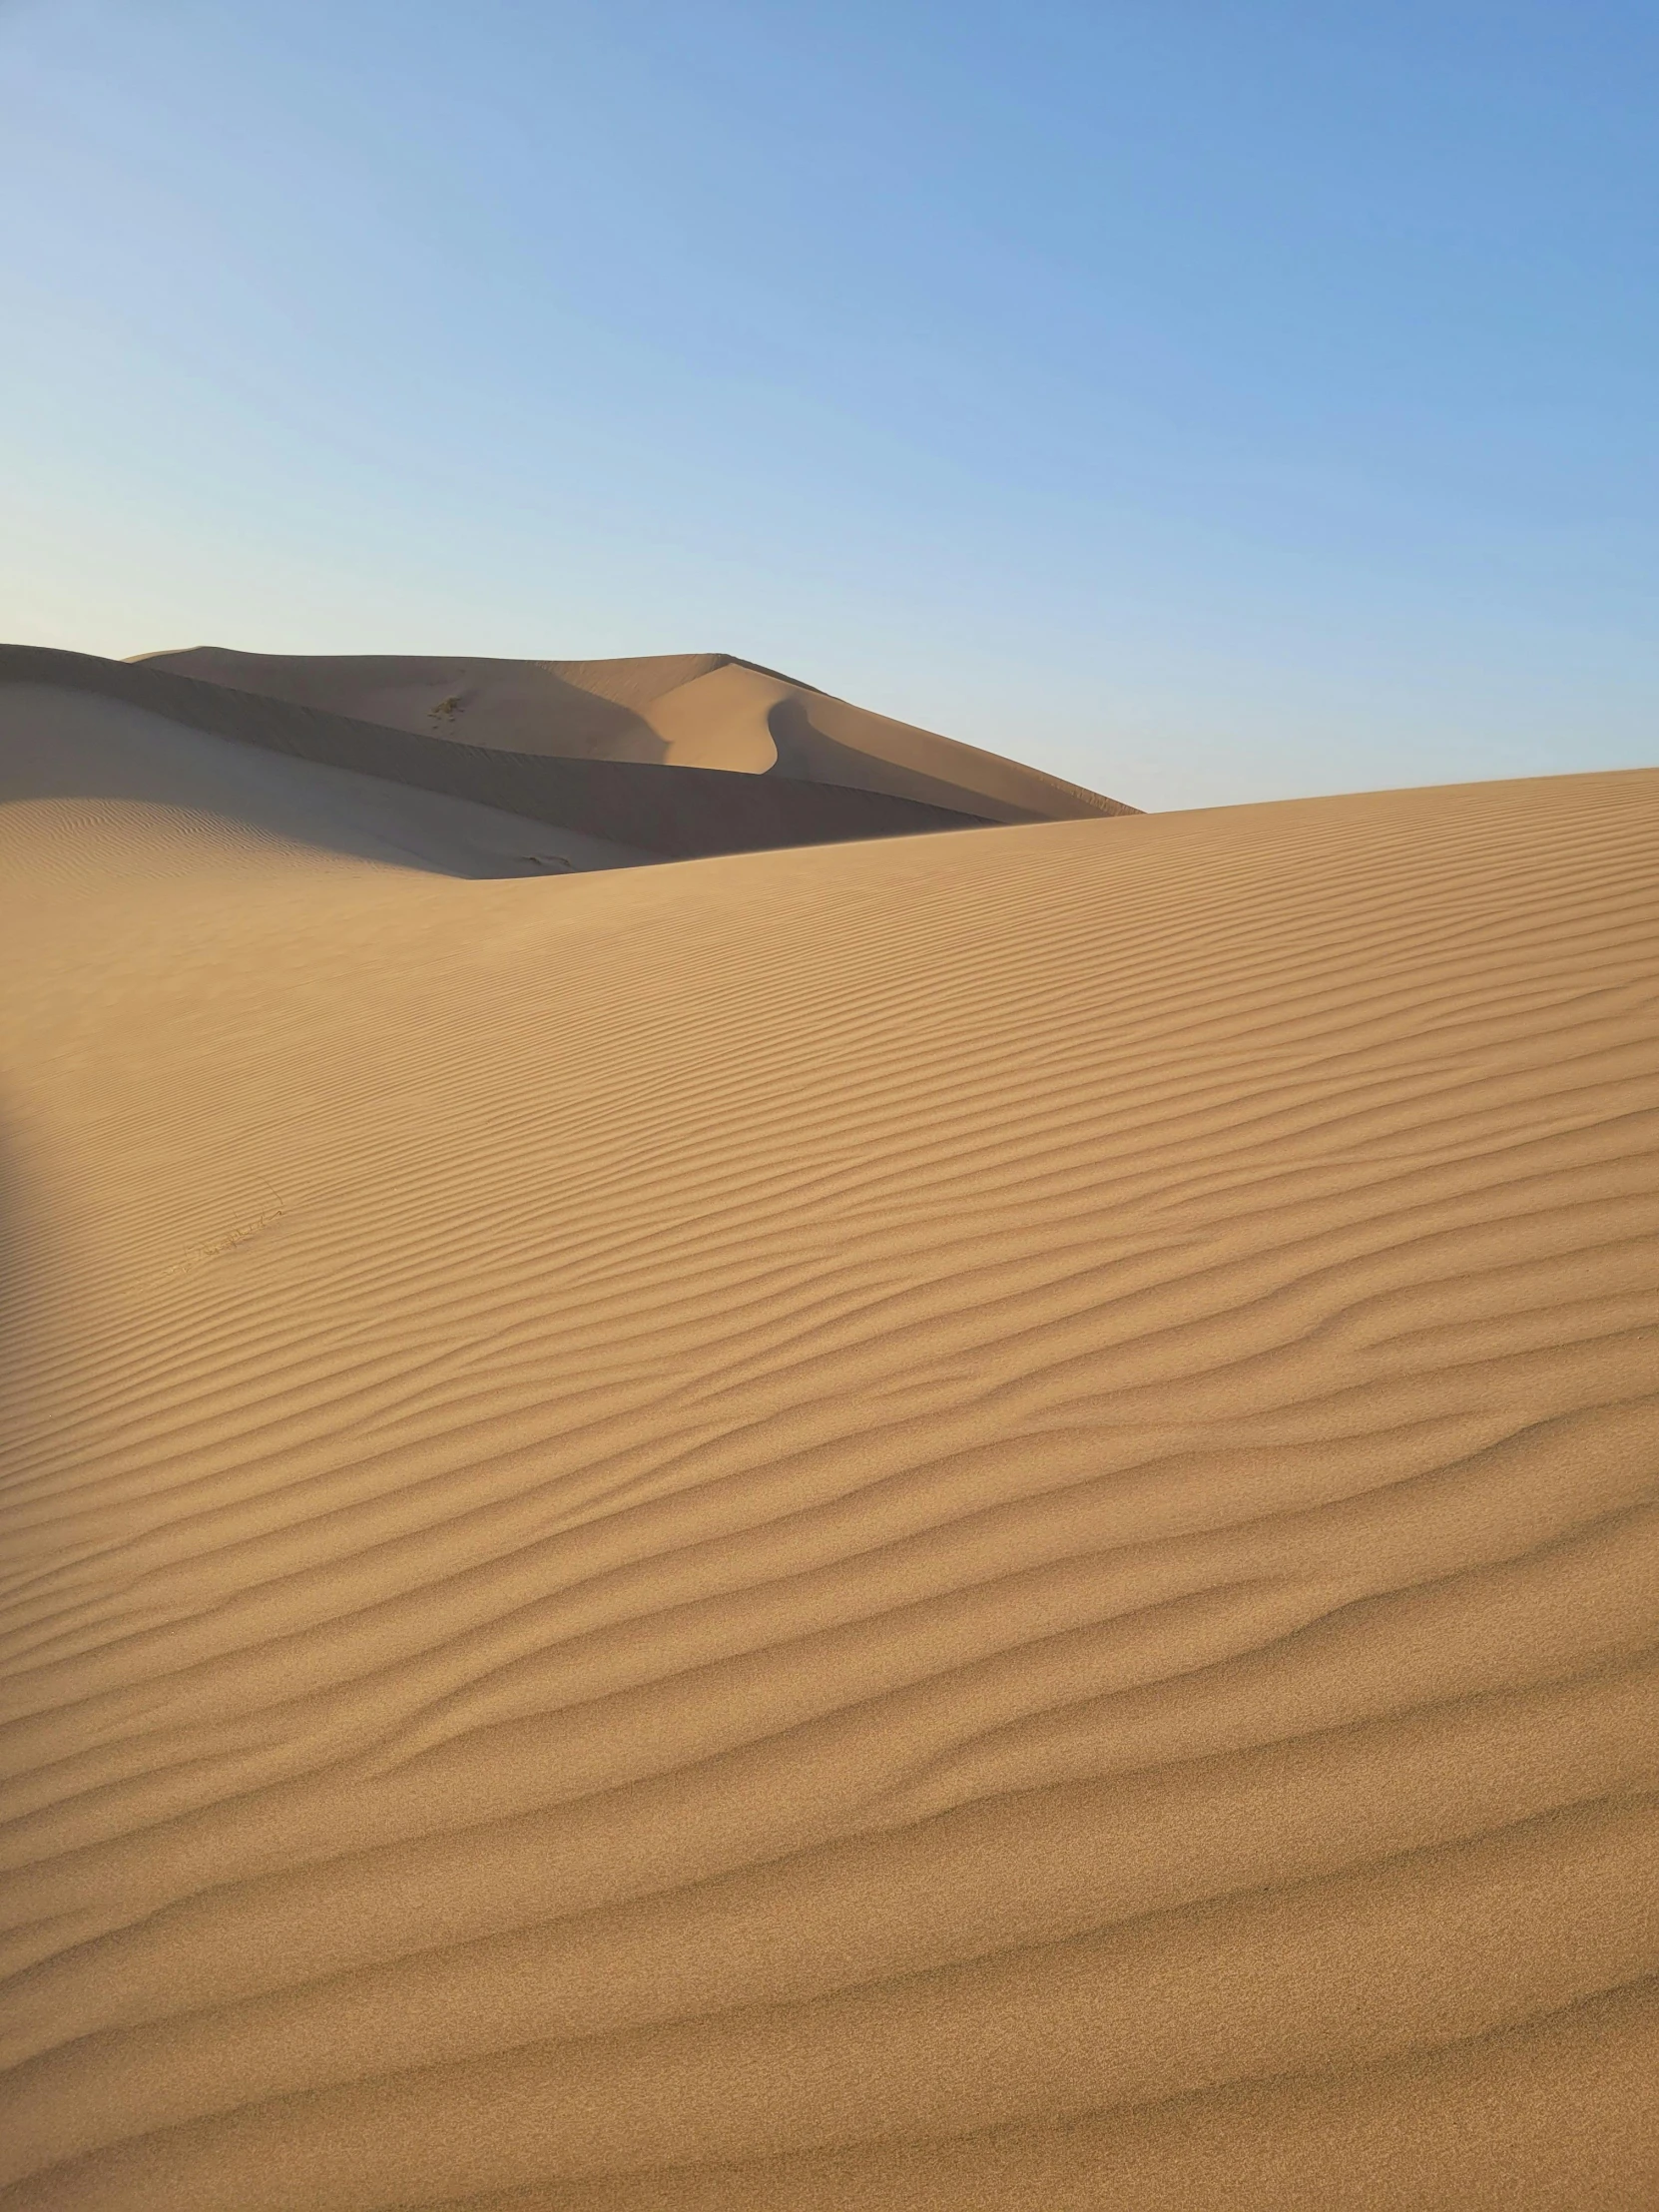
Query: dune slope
(970, 1520)
(686, 710)
(64, 745)
(649, 811)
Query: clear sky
(1209, 402)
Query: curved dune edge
(691, 710)
(966, 1520)
(643, 810)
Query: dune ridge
(689, 710)
(637, 807)
(967, 1519)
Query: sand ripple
(972, 1521)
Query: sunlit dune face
(960, 1521)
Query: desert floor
(945, 1525)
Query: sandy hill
(688, 709)
(968, 1520)
(647, 809)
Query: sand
(686, 710)
(650, 809)
(964, 1522)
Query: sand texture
(968, 1521)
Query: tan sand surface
(961, 1522)
(686, 710)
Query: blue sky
(1210, 402)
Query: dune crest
(651, 809)
(695, 709)
(967, 1519)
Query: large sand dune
(651, 809)
(682, 710)
(961, 1522)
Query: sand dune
(687, 709)
(648, 809)
(970, 1520)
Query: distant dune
(650, 810)
(684, 710)
(949, 1524)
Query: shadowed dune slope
(648, 811)
(687, 709)
(67, 752)
(965, 1522)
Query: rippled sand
(966, 1522)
